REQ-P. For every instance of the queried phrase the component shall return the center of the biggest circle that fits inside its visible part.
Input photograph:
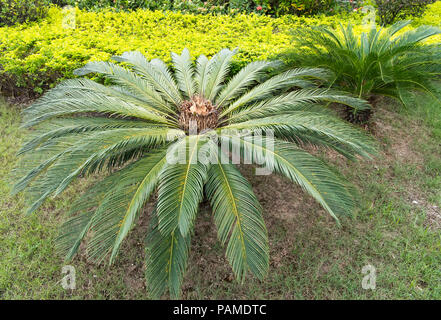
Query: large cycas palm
(383, 61)
(138, 129)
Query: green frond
(302, 125)
(59, 102)
(238, 218)
(201, 76)
(288, 79)
(184, 72)
(181, 188)
(149, 171)
(217, 70)
(129, 81)
(246, 77)
(103, 208)
(155, 72)
(293, 101)
(62, 127)
(88, 155)
(310, 173)
(166, 260)
(79, 218)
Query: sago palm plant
(379, 62)
(178, 134)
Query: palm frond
(86, 156)
(293, 101)
(68, 126)
(310, 173)
(201, 77)
(335, 133)
(59, 102)
(104, 209)
(238, 218)
(181, 188)
(155, 72)
(150, 168)
(291, 78)
(184, 72)
(217, 70)
(127, 80)
(166, 260)
(246, 77)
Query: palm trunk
(362, 116)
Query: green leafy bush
(33, 57)
(392, 10)
(431, 16)
(299, 7)
(387, 62)
(139, 132)
(20, 11)
(184, 6)
(270, 7)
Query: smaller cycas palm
(137, 130)
(379, 62)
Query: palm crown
(379, 62)
(132, 128)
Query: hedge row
(35, 56)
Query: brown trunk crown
(201, 112)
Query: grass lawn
(397, 229)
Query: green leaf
(238, 218)
(217, 70)
(184, 72)
(181, 188)
(150, 168)
(331, 191)
(166, 260)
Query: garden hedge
(35, 56)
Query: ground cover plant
(34, 57)
(378, 62)
(391, 11)
(21, 11)
(146, 117)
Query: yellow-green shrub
(35, 56)
(431, 16)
